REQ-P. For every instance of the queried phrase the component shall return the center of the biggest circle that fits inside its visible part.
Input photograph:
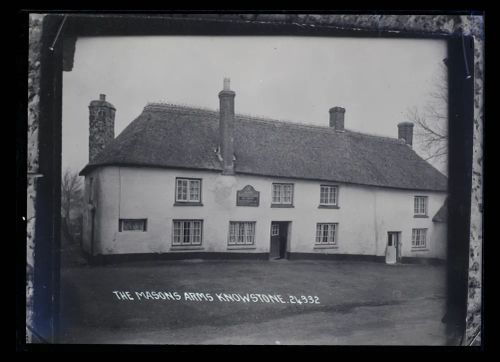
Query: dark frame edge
(48, 239)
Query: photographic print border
(52, 39)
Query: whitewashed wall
(365, 215)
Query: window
(241, 233)
(326, 234)
(132, 224)
(420, 206)
(283, 194)
(187, 232)
(418, 238)
(328, 195)
(275, 229)
(188, 190)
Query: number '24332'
(303, 299)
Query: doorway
(279, 239)
(392, 250)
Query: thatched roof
(185, 137)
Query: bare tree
(431, 121)
(71, 202)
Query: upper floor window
(188, 190)
(328, 195)
(419, 238)
(241, 233)
(420, 206)
(187, 232)
(133, 224)
(326, 234)
(282, 194)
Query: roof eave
(89, 167)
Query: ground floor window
(241, 233)
(419, 238)
(187, 232)
(132, 224)
(326, 233)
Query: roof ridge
(262, 119)
(366, 134)
(177, 106)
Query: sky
(288, 78)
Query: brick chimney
(101, 125)
(226, 128)
(405, 132)
(337, 118)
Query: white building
(186, 182)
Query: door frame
(288, 224)
(397, 244)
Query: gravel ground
(347, 303)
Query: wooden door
(275, 241)
(283, 239)
(391, 253)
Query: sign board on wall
(247, 196)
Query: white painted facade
(365, 214)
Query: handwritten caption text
(216, 297)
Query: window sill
(186, 247)
(179, 203)
(328, 207)
(419, 249)
(242, 247)
(421, 216)
(282, 206)
(325, 247)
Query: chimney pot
(337, 118)
(227, 82)
(405, 132)
(102, 97)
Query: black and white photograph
(278, 189)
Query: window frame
(329, 205)
(335, 234)
(188, 195)
(426, 206)
(121, 222)
(273, 229)
(181, 236)
(281, 203)
(413, 239)
(237, 224)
